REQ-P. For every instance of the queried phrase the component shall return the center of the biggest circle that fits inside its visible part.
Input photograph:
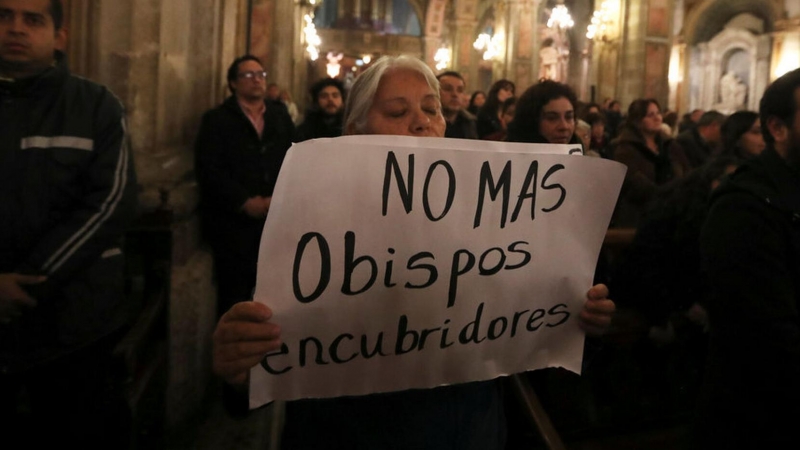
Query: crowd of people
(707, 287)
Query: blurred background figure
(507, 111)
(742, 136)
(291, 106)
(324, 116)
(644, 149)
(702, 141)
(476, 102)
(489, 113)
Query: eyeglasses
(261, 75)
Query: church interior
(166, 61)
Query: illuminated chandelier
(560, 18)
(490, 45)
(313, 41)
(602, 20)
(442, 57)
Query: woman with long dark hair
(477, 101)
(644, 149)
(545, 115)
(741, 135)
(489, 114)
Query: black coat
(233, 164)
(317, 124)
(751, 246)
(67, 194)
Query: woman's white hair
(361, 95)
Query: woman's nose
(420, 122)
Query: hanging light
(442, 57)
(602, 20)
(312, 39)
(333, 67)
(560, 18)
(490, 45)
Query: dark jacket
(464, 127)
(695, 148)
(751, 247)
(233, 164)
(646, 171)
(67, 193)
(487, 123)
(320, 125)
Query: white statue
(548, 57)
(732, 91)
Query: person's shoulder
(85, 90)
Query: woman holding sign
(395, 96)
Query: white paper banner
(394, 263)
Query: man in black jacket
(67, 192)
(324, 118)
(239, 151)
(751, 244)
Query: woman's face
(557, 123)
(479, 100)
(405, 105)
(505, 93)
(752, 141)
(651, 124)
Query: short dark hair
(57, 13)
(450, 73)
(525, 126)
(233, 70)
(711, 117)
(778, 101)
(317, 87)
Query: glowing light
(603, 20)
(442, 57)
(490, 45)
(560, 18)
(789, 57)
(366, 59)
(333, 66)
(312, 39)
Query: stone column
(464, 56)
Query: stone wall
(166, 61)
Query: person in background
(742, 136)
(643, 148)
(238, 153)
(701, 142)
(751, 252)
(394, 96)
(67, 195)
(507, 111)
(614, 119)
(273, 92)
(489, 114)
(545, 115)
(476, 101)
(460, 123)
(324, 117)
(584, 132)
(599, 137)
(689, 120)
(291, 106)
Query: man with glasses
(239, 150)
(460, 123)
